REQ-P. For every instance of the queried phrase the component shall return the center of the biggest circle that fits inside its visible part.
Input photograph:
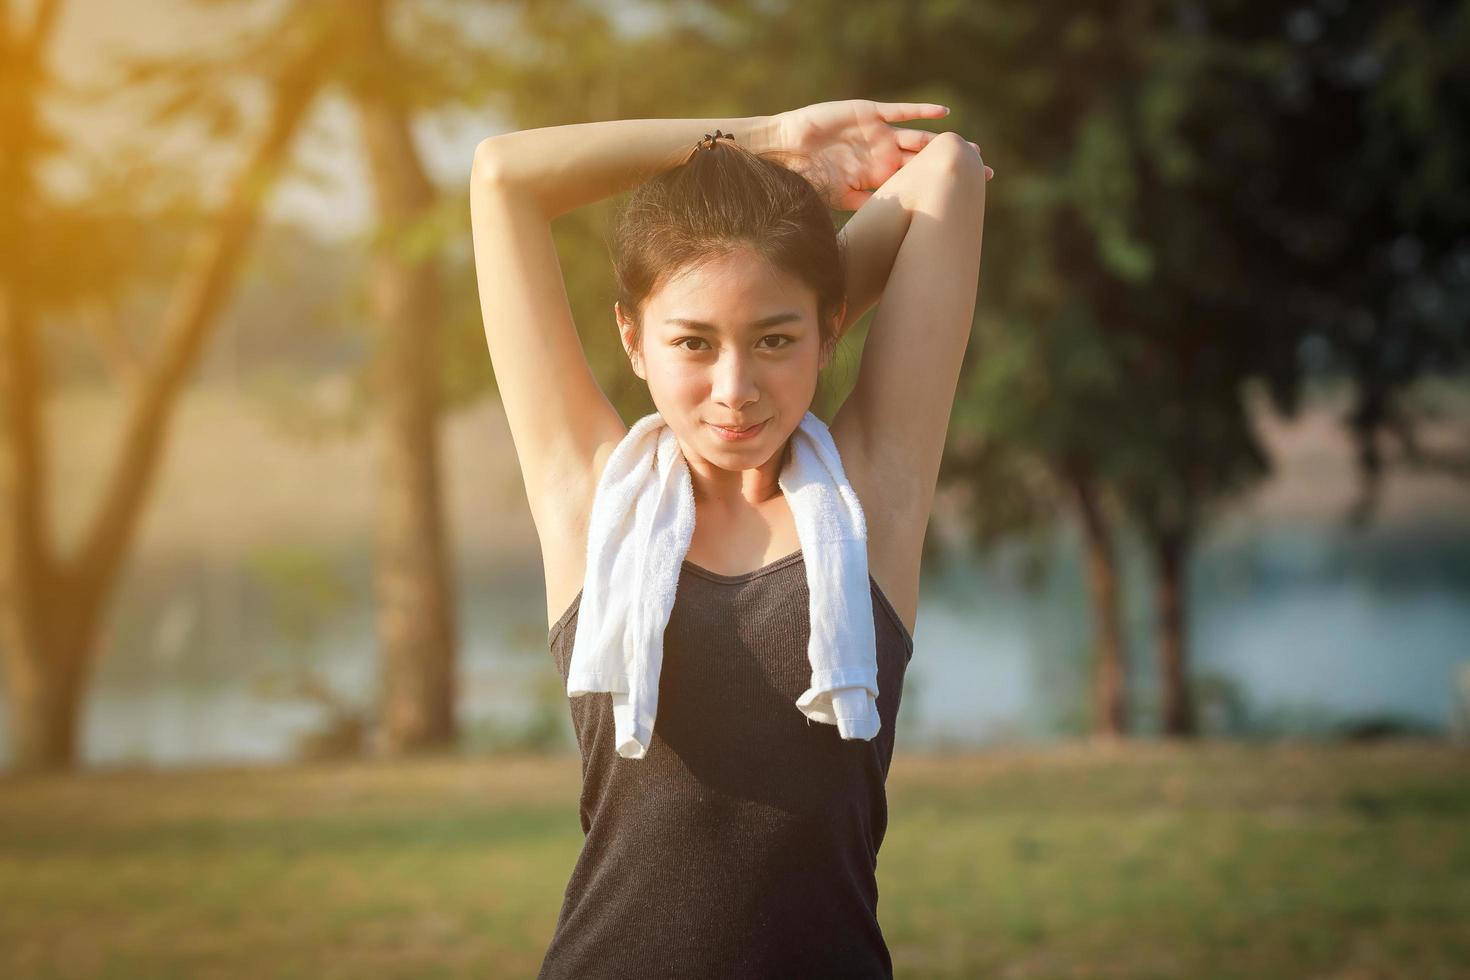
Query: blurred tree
(1142, 105)
(52, 604)
(1028, 445)
(1349, 144)
(306, 595)
(1238, 189)
(1304, 163)
(415, 595)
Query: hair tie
(716, 135)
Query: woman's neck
(739, 489)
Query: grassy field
(1069, 861)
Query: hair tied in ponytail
(709, 139)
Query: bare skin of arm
(893, 424)
(562, 168)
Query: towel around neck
(642, 522)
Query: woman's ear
(625, 335)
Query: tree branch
(47, 13)
(122, 361)
(202, 291)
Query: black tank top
(745, 843)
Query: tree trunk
(415, 601)
(51, 606)
(1109, 675)
(1171, 553)
(45, 705)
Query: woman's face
(732, 342)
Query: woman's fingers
(898, 111)
(913, 139)
(908, 155)
(917, 139)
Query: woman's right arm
(560, 420)
(561, 168)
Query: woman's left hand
(854, 146)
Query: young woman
(745, 843)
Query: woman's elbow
(956, 156)
(489, 164)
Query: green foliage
(1105, 190)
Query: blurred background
(1199, 569)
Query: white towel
(641, 525)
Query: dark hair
(723, 197)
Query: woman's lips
(731, 435)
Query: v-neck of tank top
(721, 579)
(703, 572)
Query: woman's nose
(734, 384)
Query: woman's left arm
(898, 411)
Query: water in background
(1294, 631)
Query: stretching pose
(745, 842)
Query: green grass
(1074, 861)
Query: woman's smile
(735, 435)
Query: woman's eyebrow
(700, 325)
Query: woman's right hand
(854, 146)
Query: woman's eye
(684, 342)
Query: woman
(745, 843)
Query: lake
(1295, 630)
